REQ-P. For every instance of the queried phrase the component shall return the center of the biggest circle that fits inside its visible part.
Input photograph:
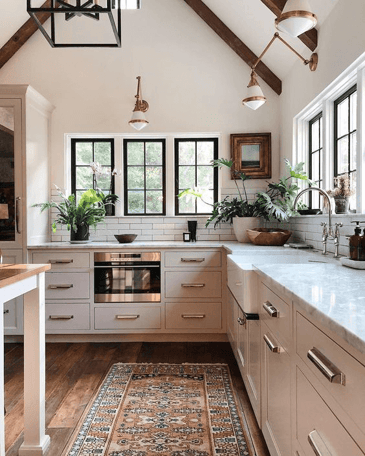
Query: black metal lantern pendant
(77, 8)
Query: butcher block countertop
(13, 273)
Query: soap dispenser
(355, 242)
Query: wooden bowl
(125, 238)
(268, 236)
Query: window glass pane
(353, 111)
(315, 136)
(154, 153)
(84, 177)
(205, 152)
(78, 195)
(342, 155)
(136, 177)
(84, 153)
(187, 204)
(135, 202)
(205, 177)
(343, 118)
(187, 153)
(353, 145)
(186, 177)
(153, 177)
(102, 153)
(315, 166)
(203, 206)
(154, 202)
(103, 182)
(135, 153)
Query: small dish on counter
(266, 236)
(125, 238)
(352, 263)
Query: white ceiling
(250, 20)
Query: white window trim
(354, 74)
(118, 157)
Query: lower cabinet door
(317, 426)
(241, 342)
(252, 377)
(13, 310)
(232, 324)
(276, 425)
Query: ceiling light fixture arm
(313, 62)
(141, 105)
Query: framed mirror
(251, 154)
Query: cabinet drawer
(275, 313)
(63, 285)
(186, 315)
(193, 284)
(67, 317)
(315, 421)
(350, 395)
(128, 318)
(62, 260)
(195, 259)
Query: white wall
(192, 80)
(341, 41)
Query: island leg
(2, 421)
(35, 440)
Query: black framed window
(316, 158)
(84, 152)
(144, 177)
(345, 111)
(193, 169)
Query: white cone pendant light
(296, 18)
(138, 120)
(255, 97)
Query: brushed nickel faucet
(328, 232)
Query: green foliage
(89, 211)
(225, 210)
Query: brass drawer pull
(193, 285)
(326, 367)
(127, 317)
(61, 317)
(61, 286)
(192, 260)
(270, 309)
(274, 348)
(318, 445)
(61, 261)
(193, 316)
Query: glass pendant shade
(255, 97)
(296, 18)
(138, 120)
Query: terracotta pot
(241, 225)
(341, 205)
(82, 233)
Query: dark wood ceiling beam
(235, 43)
(310, 38)
(22, 36)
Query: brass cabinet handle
(318, 445)
(17, 216)
(192, 260)
(193, 316)
(193, 285)
(274, 348)
(61, 317)
(238, 284)
(326, 367)
(270, 309)
(127, 317)
(61, 286)
(61, 261)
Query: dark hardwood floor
(75, 371)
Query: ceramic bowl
(265, 236)
(125, 238)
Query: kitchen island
(27, 280)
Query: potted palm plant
(77, 217)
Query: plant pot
(341, 205)
(241, 225)
(108, 210)
(82, 233)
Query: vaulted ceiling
(248, 21)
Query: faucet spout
(325, 195)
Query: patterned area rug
(163, 410)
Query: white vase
(241, 224)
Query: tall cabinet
(24, 179)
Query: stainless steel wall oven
(127, 277)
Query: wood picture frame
(251, 154)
